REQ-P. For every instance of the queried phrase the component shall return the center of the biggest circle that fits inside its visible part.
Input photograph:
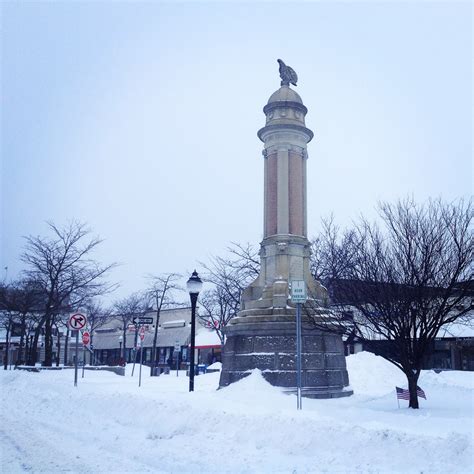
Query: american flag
(404, 394)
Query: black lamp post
(120, 344)
(194, 286)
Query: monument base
(271, 347)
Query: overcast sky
(141, 118)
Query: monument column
(263, 335)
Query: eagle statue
(287, 74)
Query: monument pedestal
(271, 347)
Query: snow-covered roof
(456, 330)
(207, 337)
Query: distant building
(174, 329)
(453, 348)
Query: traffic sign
(298, 291)
(142, 333)
(142, 320)
(77, 321)
(177, 346)
(86, 337)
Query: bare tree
(161, 293)
(229, 277)
(402, 280)
(19, 302)
(126, 310)
(62, 266)
(217, 309)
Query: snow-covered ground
(109, 424)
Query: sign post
(177, 349)
(298, 296)
(85, 342)
(142, 336)
(76, 322)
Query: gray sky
(141, 118)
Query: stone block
(315, 378)
(335, 361)
(329, 343)
(275, 344)
(281, 378)
(312, 361)
(229, 344)
(265, 361)
(286, 362)
(228, 361)
(243, 344)
(313, 344)
(243, 362)
(334, 378)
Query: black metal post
(194, 297)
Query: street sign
(86, 337)
(142, 333)
(298, 291)
(142, 320)
(177, 346)
(77, 321)
(298, 296)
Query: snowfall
(109, 424)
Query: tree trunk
(153, 349)
(27, 348)
(33, 355)
(91, 345)
(19, 359)
(412, 386)
(135, 344)
(66, 347)
(48, 342)
(124, 342)
(58, 355)
(7, 348)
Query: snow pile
(215, 366)
(371, 374)
(109, 424)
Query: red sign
(142, 333)
(86, 337)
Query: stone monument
(263, 334)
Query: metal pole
(141, 360)
(177, 363)
(134, 349)
(83, 359)
(298, 355)
(77, 357)
(193, 340)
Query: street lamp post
(194, 286)
(120, 349)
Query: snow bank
(109, 424)
(215, 366)
(371, 374)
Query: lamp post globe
(194, 286)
